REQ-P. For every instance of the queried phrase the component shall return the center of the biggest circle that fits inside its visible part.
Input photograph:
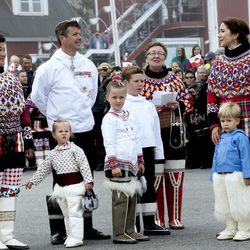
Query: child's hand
(28, 185)
(247, 181)
(88, 186)
(141, 168)
(116, 172)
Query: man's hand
(29, 153)
(141, 168)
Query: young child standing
(73, 177)
(123, 163)
(149, 132)
(231, 176)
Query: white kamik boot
(8, 214)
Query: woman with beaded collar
(229, 81)
(159, 78)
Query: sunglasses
(104, 69)
(189, 77)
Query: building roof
(32, 28)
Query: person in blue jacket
(231, 176)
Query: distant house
(28, 26)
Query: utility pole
(115, 33)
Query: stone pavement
(32, 225)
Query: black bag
(90, 200)
(177, 130)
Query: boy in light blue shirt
(231, 176)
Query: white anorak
(59, 92)
(148, 123)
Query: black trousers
(149, 163)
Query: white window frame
(16, 5)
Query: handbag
(177, 130)
(90, 200)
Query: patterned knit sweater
(165, 81)
(229, 80)
(14, 117)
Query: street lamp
(95, 21)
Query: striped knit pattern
(169, 83)
(229, 80)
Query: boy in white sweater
(149, 132)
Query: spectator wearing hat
(104, 70)
(208, 59)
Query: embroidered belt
(68, 179)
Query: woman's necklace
(238, 45)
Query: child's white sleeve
(109, 135)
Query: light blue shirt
(232, 154)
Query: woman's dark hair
(237, 26)
(116, 68)
(194, 47)
(190, 72)
(2, 38)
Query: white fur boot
(230, 230)
(8, 211)
(76, 232)
(243, 231)
(2, 246)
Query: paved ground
(200, 226)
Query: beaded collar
(123, 114)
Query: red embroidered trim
(112, 162)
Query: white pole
(115, 33)
(97, 14)
(213, 24)
(248, 11)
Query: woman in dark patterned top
(158, 78)
(229, 79)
